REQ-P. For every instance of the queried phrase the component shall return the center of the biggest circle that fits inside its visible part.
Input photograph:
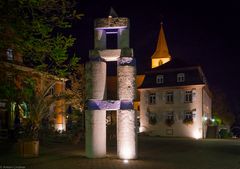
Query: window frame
(180, 77)
(159, 79)
(170, 115)
(152, 98)
(188, 96)
(170, 97)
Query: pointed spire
(161, 54)
(162, 48)
(112, 13)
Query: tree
(221, 108)
(32, 28)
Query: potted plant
(188, 121)
(38, 106)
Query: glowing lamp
(196, 134)
(125, 161)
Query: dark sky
(206, 33)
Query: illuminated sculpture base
(126, 134)
(95, 133)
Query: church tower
(161, 54)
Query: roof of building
(192, 73)
(174, 63)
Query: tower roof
(162, 48)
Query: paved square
(154, 153)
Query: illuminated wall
(59, 107)
(160, 109)
(159, 61)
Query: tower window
(112, 41)
(159, 79)
(180, 77)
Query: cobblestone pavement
(154, 152)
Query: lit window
(9, 54)
(188, 97)
(159, 79)
(180, 77)
(169, 97)
(152, 98)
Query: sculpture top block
(111, 23)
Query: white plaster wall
(207, 109)
(178, 107)
(96, 80)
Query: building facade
(174, 97)
(14, 72)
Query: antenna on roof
(112, 13)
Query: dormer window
(180, 77)
(159, 79)
(9, 54)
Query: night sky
(203, 33)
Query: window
(188, 118)
(170, 119)
(180, 77)
(188, 115)
(169, 97)
(9, 54)
(159, 79)
(170, 115)
(188, 97)
(152, 98)
(152, 118)
(160, 62)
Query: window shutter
(180, 115)
(174, 115)
(194, 114)
(164, 95)
(182, 97)
(194, 95)
(159, 96)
